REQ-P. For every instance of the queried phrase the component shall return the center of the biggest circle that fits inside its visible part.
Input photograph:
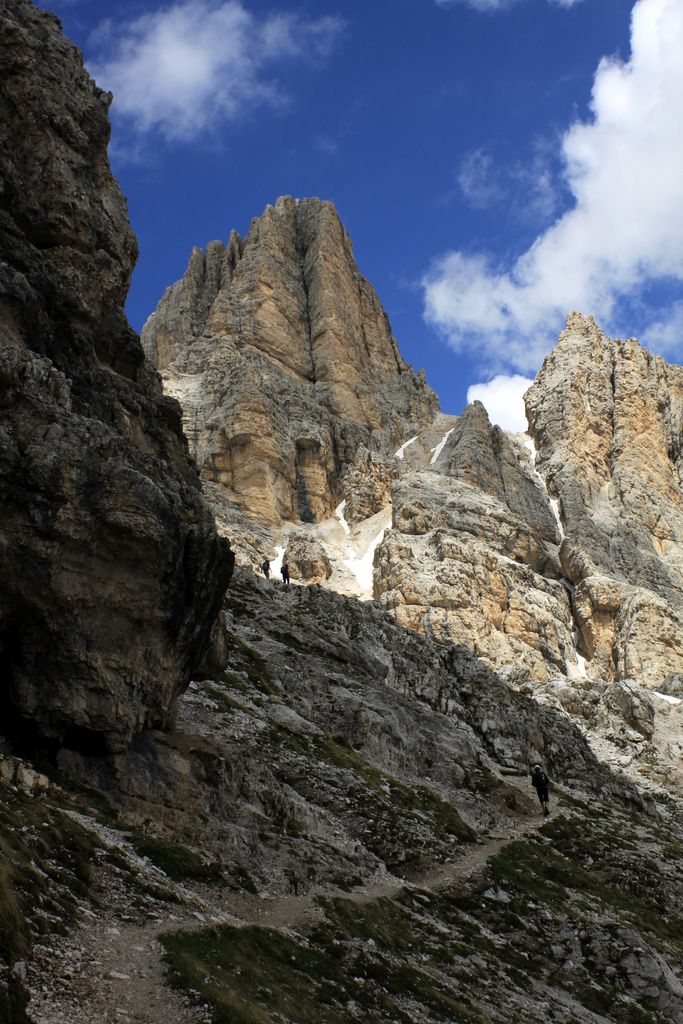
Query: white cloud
(666, 333)
(503, 399)
(478, 181)
(535, 183)
(624, 168)
(479, 5)
(184, 68)
(498, 5)
(484, 184)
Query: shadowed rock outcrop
(112, 572)
(283, 359)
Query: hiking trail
(109, 968)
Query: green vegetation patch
(551, 876)
(45, 864)
(254, 975)
(357, 959)
(244, 658)
(382, 921)
(175, 860)
(225, 702)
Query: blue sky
(496, 162)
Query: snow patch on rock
(399, 454)
(440, 446)
(667, 698)
(276, 564)
(362, 566)
(339, 513)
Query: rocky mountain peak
(607, 417)
(485, 457)
(339, 824)
(284, 361)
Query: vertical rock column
(607, 418)
(292, 356)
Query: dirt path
(296, 911)
(109, 969)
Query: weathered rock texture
(307, 558)
(295, 397)
(112, 572)
(347, 811)
(473, 553)
(284, 363)
(607, 418)
(367, 484)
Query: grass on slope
(45, 869)
(177, 861)
(548, 926)
(255, 975)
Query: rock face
(559, 553)
(112, 572)
(367, 485)
(568, 563)
(607, 418)
(307, 558)
(473, 554)
(284, 362)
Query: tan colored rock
(307, 558)
(367, 485)
(472, 556)
(607, 418)
(284, 362)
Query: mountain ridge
(334, 822)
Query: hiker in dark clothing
(265, 569)
(539, 780)
(285, 574)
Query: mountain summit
(284, 361)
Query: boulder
(307, 558)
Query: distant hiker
(265, 569)
(539, 780)
(285, 574)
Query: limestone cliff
(559, 553)
(284, 362)
(112, 572)
(295, 398)
(607, 418)
(473, 554)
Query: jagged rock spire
(284, 361)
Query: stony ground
(543, 922)
(341, 829)
(110, 967)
